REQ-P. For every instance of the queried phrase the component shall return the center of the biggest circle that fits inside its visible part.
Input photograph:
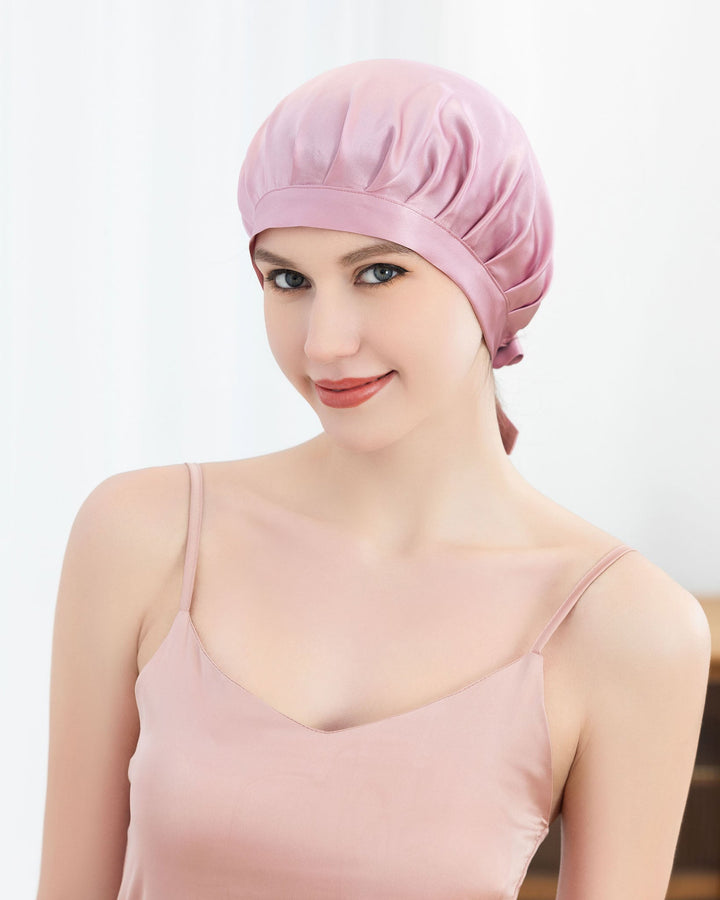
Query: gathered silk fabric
(230, 799)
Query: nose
(333, 327)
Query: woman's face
(335, 309)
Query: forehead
(277, 245)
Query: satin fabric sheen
(230, 799)
(423, 156)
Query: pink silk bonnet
(422, 156)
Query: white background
(131, 331)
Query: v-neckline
(408, 713)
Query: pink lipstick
(350, 391)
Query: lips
(346, 383)
(347, 398)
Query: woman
(378, 681)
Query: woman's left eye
(383, 272)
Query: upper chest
(306, 621)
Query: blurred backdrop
(131, 326)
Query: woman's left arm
(645, 676)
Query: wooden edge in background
(711, 605)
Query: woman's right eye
(293, 280)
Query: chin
(361, 437)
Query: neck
(442, 482)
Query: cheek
(281, 332)
(442, 337)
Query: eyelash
(270, 279)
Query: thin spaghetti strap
(587, 579)
(192, 543)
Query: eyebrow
(349, 259)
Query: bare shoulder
(127, 542)
(141, 515)
(130, 496)
(640, 646)
(635, 617)
(634, 610)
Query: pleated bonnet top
(230, 799)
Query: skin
(386, 486)
(434, 425)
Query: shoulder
(635, 611)
(136, 508)
(139, 517)
(128, 534)
(639, 634)
(145, 511)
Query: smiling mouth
(348, 384)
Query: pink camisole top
(230, 799)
